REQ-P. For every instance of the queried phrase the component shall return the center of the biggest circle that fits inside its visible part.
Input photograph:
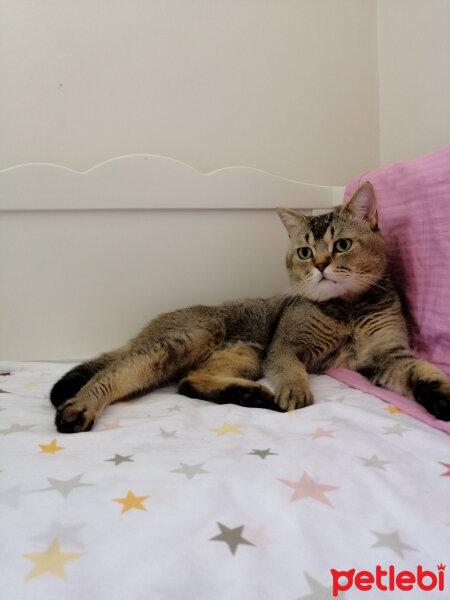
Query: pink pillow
(414, 217)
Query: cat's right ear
(363, 204)
(291, 219)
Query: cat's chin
(326, 289)
(320, 288)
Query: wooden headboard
(86, 259)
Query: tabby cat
(343, 312)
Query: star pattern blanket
(177, 499)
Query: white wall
(286, 86)
(414, 77)
(315, 90)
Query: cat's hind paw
(435, 397)
(253, 395)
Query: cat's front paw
(435, 397)
(74, 416)
(292, 396)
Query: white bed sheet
(175, 498)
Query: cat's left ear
(290, 218)
(363, 204)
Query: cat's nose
(322, 266)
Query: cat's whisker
(295, 292)
(372, 280)
(292, 297)
(366, 278)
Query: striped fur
(342, 311)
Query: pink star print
(322, 433)
(113, 425)
(447, 465)
(306, 487)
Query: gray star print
(335, 397)
(167, 434)
(392, 541)
(64, 487)
(395, 429)
(319, 591)
(174, 408)
(190, 470)
(146, 447)
(232, 537)
(15, 428)
(118, 459)
(263, 453)
(374, 461)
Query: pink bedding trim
(406, 405)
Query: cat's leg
(289, 377)
(149, 363)
(227, 377)
(72, 382)
(402, 372)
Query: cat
(343, 311)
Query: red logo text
(388, 579)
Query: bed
(171, 497)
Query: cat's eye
(304, 253)
(343, 245)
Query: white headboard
(86, 259)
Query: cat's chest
(329, 335)
(360, 332)
(316, 335)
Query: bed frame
(87, 258)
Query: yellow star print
(30, 384)
(227, 428)
(132, 501)
(392, 409)
(50, 561)
(51, 448)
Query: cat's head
(338, 254)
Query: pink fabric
(414, 217)
(406, 405)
